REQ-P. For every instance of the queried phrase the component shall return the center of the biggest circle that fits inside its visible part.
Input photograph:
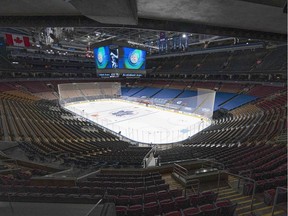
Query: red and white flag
(17, 40)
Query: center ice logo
(123, 113)
(184, 131)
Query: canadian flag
(17, 40)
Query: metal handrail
(241, 174)
(242, 177)
(93, 207)
(213, 161)
(86, 175)
(183, 172)
(179, 161)
(13, 160)
(148, 155)
(191, 183)
(180, 170)
(275, 198)
(246, 171)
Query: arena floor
(139, 122)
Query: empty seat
(139, 190)
(121, 210)
(209, 197)
(151, 208)
(176, 192)
(128, 191)
(122, 200)
(150, 197)
(209, 210)
(136, 199)
(163, 187)
(196, 199)
(182, 202)
(173, 213)
(226, 207)
(269, 196)
(167, 206)
(193, 211)
(163, 195)
(152, 188)
(134, 210)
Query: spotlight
(184, 35)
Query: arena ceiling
(90, 21)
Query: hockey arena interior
(143, 108)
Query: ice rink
(140, 123)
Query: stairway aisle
(172, 183)
(227, 192)
(244, 202)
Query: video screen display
(114, 58)
(122, 58)
(102, 57)
(134, 58)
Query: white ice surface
(140, 123)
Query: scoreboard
(114, 60)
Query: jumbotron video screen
(126, 60)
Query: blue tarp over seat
(168, 93)
(147, 92)
(221, 97)
(238, 101)
(132, 91)
(187, 98)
